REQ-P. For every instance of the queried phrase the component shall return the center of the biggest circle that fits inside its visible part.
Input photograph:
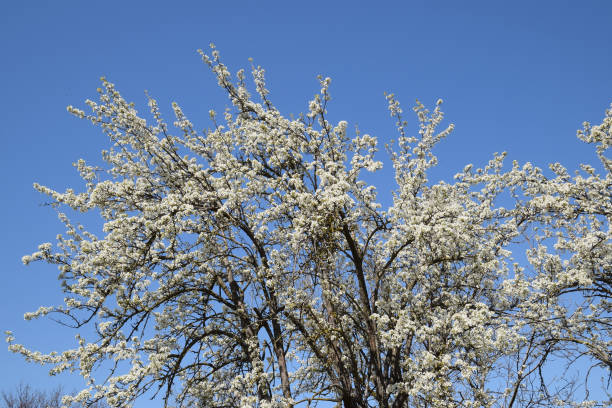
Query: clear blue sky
(516, 76)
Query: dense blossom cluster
(251, 266)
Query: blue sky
(516, 76)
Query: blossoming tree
(251, 266)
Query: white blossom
(251, 265)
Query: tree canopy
(249, 265)
(24, 396)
